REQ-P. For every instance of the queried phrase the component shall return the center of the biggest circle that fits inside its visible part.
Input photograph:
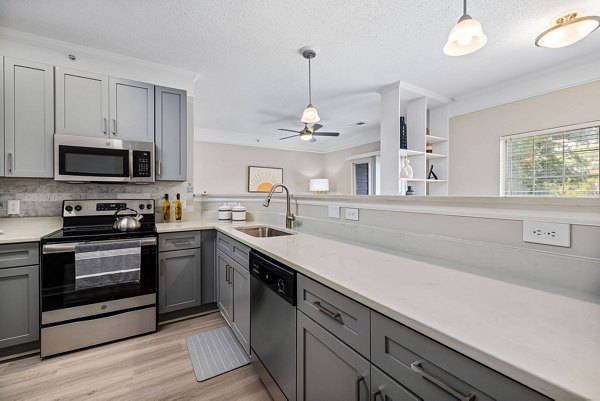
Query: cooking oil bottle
(166, 209)
(178, 209)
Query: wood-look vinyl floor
(150, 367)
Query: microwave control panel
(142, 164)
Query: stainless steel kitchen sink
(263, 232)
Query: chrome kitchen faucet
(289, 216)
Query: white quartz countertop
(546, 341)
(27, 229)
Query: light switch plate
(333, 212)
(14, 207)
(351, 214)
(540, 232)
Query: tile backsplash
(43, 197)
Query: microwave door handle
(114, 124)
(105, 126)
(130, 163)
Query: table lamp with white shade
(319, 185)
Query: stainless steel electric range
(112, 304)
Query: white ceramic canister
(225, 213)
(239, 214)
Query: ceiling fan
(308, 133)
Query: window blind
(560, 163)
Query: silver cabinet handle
(337, 316)
(357, 382)
(105, 126)
(158, 169)
(182, 242)
(416, 366)
(230, 275)
(10, 162)
(114, 131)
(227, 273)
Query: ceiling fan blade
(289, 130)
(326, 133)
(312, 140)
(316, 127)
(288, 137)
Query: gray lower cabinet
(384, 388)
(241, 305)
(170, 133)
(179, 281)
(327, 368)
(19, 294)
(28, 119)
(225, 287)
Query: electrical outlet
(558, 234)
(14, 207)
(351, 214)
(333, 212)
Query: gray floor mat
(215, 352)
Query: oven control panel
(142, 164)
(85, 207)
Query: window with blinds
(558, 163)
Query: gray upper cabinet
(1, 116)
(327, 368)
(81, 103)
(131, 110)
(28, 119)
(179, 280)
(170, 112)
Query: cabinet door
(131, 110)
(225, 287)
(170, 113)
(29, 119)
(383, 388)
(241, 305)
(19, 305)
(1, 116)
(81, 103)
(327, 368)
(179, 280)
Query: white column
(390, 139)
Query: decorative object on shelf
(431, 173)
(238, 214)
(410, 191)
(262, 179)
(406, 171)
(319, 185)
(225, 213)
(568, 30)
(429, 147)
(310, 114)
(403, 134)
(308, 133)
(466, 36)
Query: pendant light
(310, 114)
(466, 36)
(568, 30)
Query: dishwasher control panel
(276, 276)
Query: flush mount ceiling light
(466, 36)
(310, 115)
(568, 30)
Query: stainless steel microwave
(84, 159)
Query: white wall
(475, 137)
(223, 168)
(338, 169)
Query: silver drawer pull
(416, 366)
(337, 316)
(357, 382)
(180, 242)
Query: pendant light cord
(309, 83)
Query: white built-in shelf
(414, 179)
(436, 181)
(434, 139)
(408, 152)
(434, 156)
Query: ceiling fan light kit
(310, 114)
(568, 30)
(466, 36)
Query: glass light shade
(306, 135)
(465, 37)
(319, 185)
(310, 115)
(568, 33)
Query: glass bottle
(178, 209)
(166, 209)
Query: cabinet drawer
(234, 249)
(14, 255)
(386, 389)
(178, 241)
(342, 316)
(435, 372)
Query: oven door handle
(70, 246)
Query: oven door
(58, 277)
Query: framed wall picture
(262, 179)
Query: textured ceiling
(252, 80)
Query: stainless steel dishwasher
(273, 325)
